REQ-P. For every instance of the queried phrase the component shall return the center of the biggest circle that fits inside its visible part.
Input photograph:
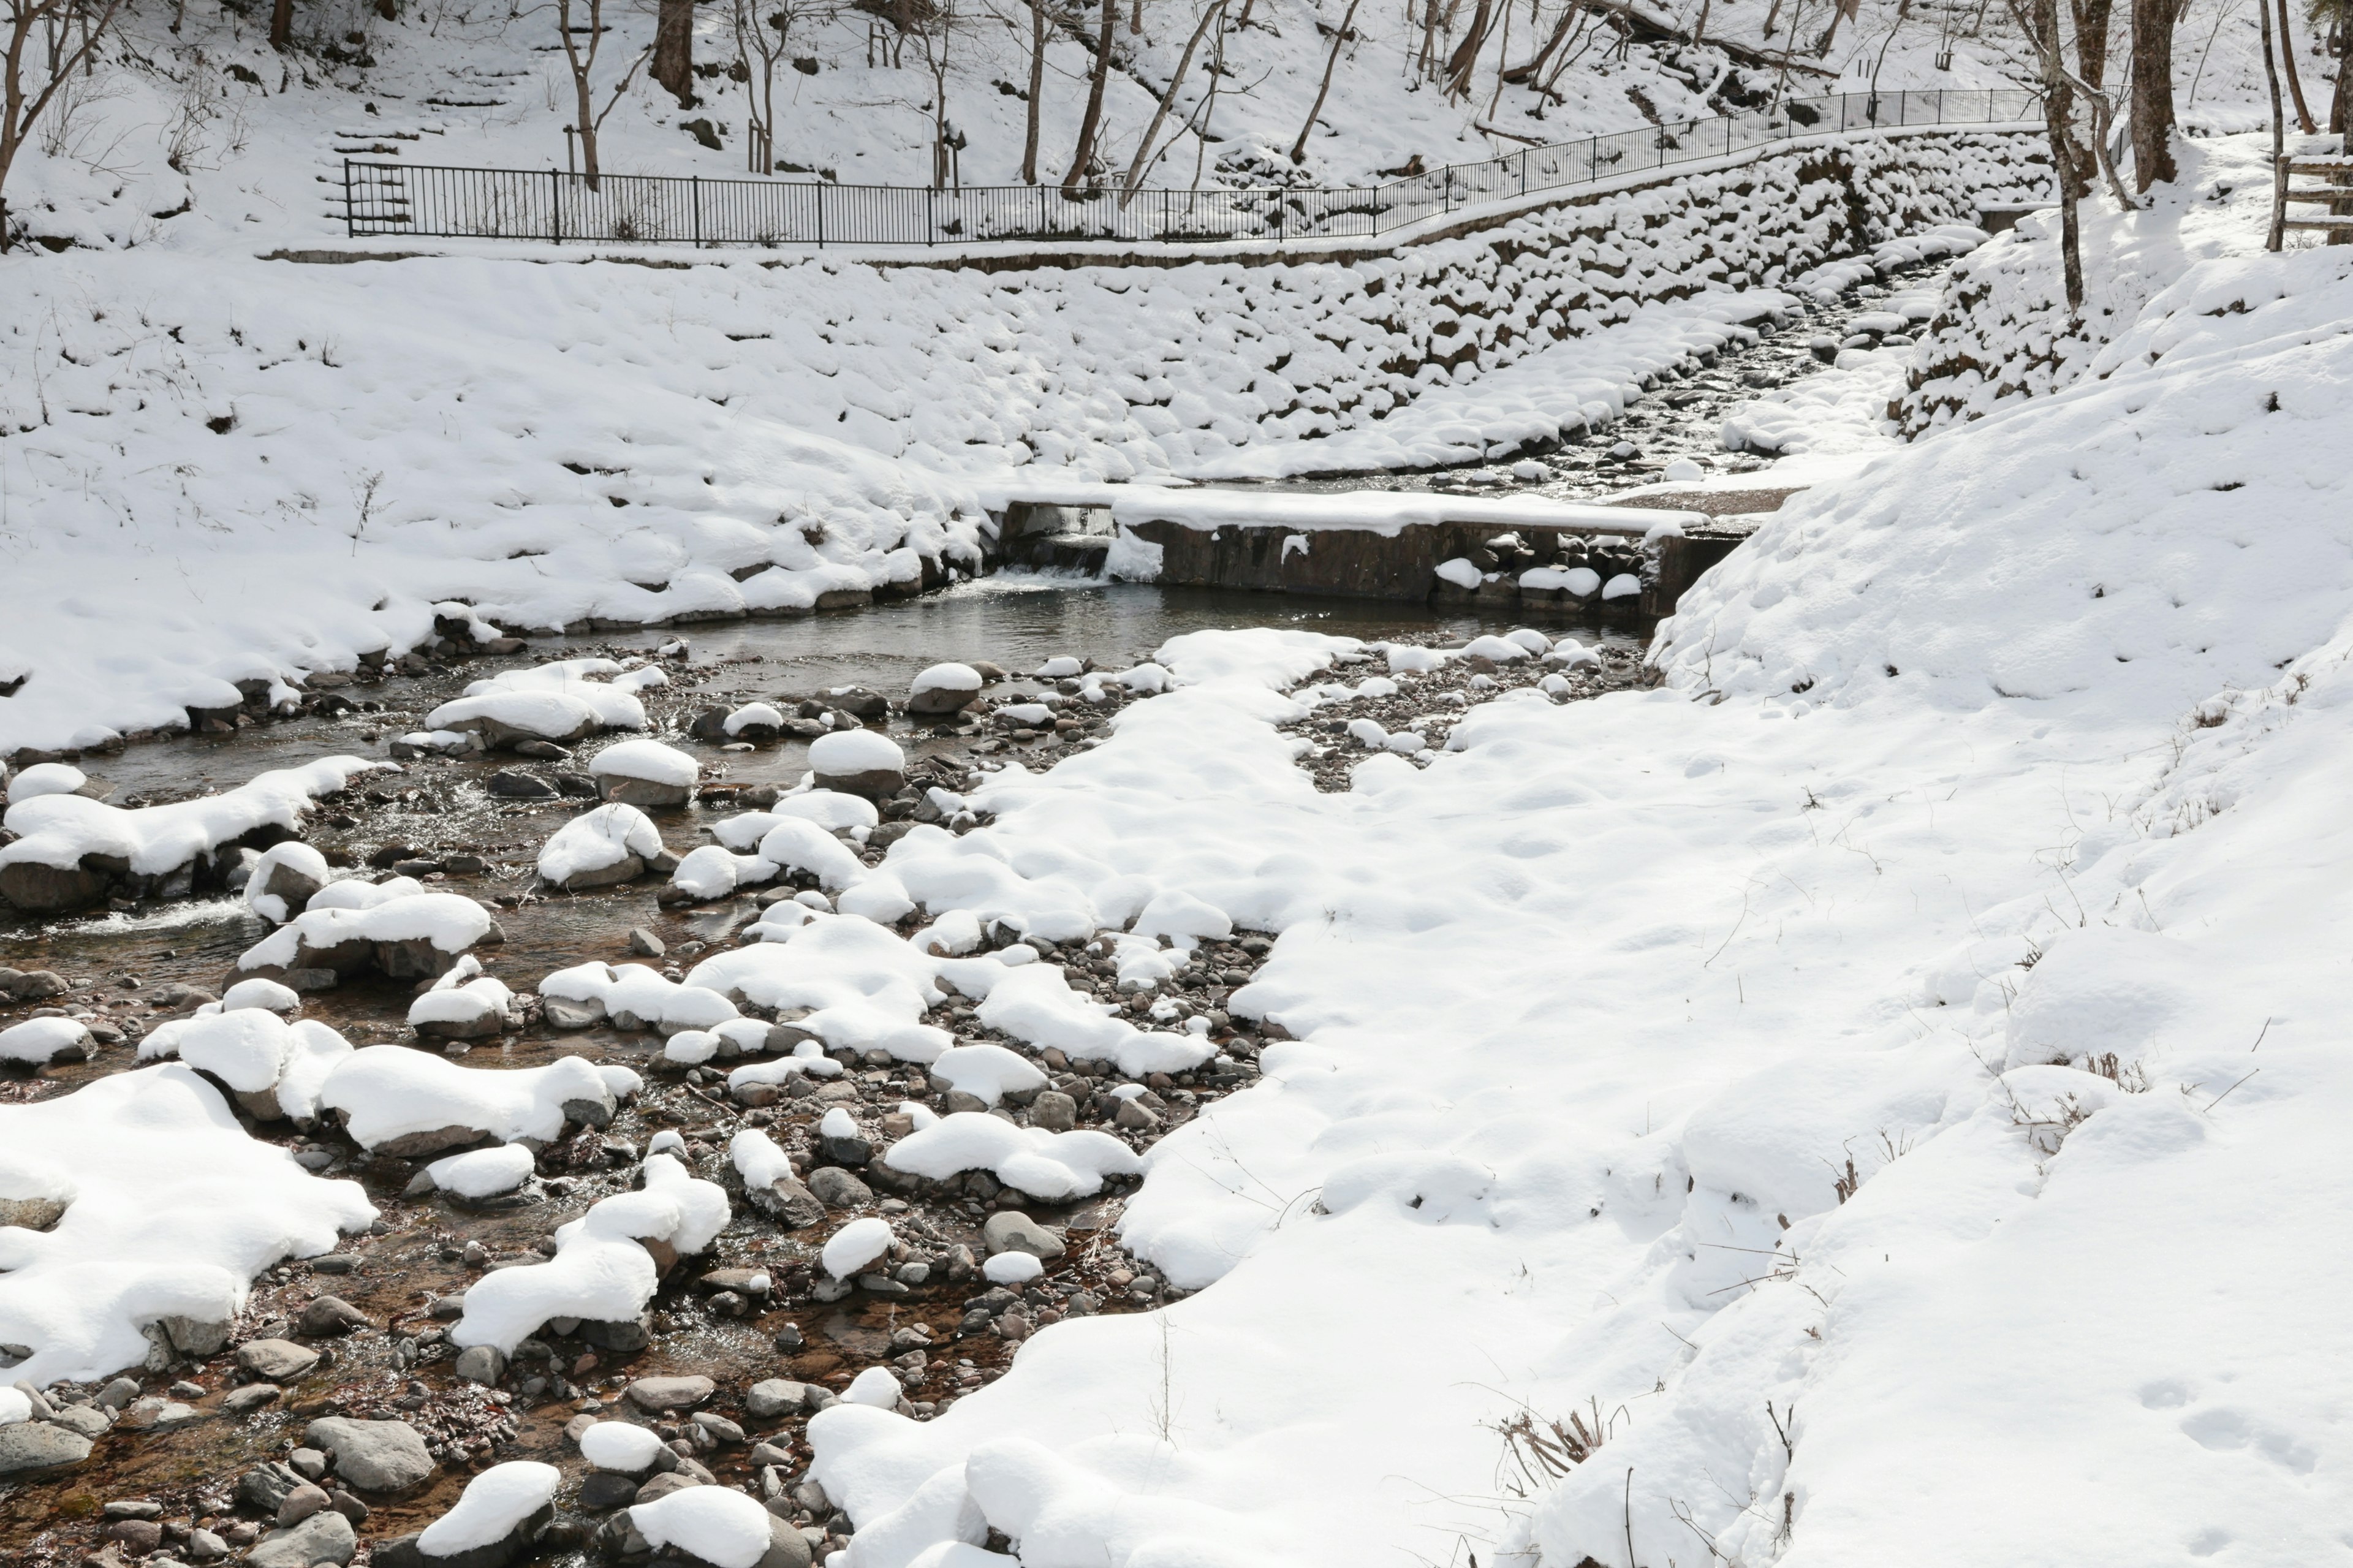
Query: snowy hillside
(210, 132)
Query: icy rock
(37, 1042)
(277, 1361)
(1008, 1230)
(859, 762)
(372, 1456)
(614, 843)
(513, 784)
(323, 1538)
(644, 774)
(943, 691)
(635, 997)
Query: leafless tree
(584, 65)
(2294, 83)
(1097, 80)
(47, 41)
(2271, 76)
(2038, 22)
(762, 29)
(1323, 88)
(2336, 18)
(934, 33)
(2152, 90)
(1136, 166)
(1464, 59)
(673, 59)
(1037, 35)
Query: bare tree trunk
(2287, 57)
(282, 24)
(1159, 115)
(1465, 58)
(673, 64)
(1503, 58)
(1331, 61)
(1699, 28)
(2271, 75)
(1840, 11)
(1037, 91)
(1092, 120)
(2039, 20)
(2091, 18)
(2152, 92)
(2340, 41)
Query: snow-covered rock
(464, 1004)
(614, 843)
(943, 691)
(1053, 1167)
(413, 936)
(606, 1264)
(857, 762)
(70, 849)
(644, 774)
(632, 996)
(404, 1102)
(560, 702)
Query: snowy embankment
(1940, 910)
(230, 470)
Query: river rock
(1009, 1230)
(266, 1486)
(373, 1456)
(837, 1188)
(39, 889)
(28, 1447)
(658, 1393)
(513, 784)
(481, 1363)
(277, 1361)
(787, 1201)
(323, 1538)
(773, 1397)
(333, 1314)
(1054, 1110)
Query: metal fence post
(696, 194)
(820, 214)
(351, 231)
(554, 207)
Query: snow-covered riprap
(1919, 1011)
(464, 446)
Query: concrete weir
(1408, 547)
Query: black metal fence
(521, 204)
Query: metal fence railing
(383, 198)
